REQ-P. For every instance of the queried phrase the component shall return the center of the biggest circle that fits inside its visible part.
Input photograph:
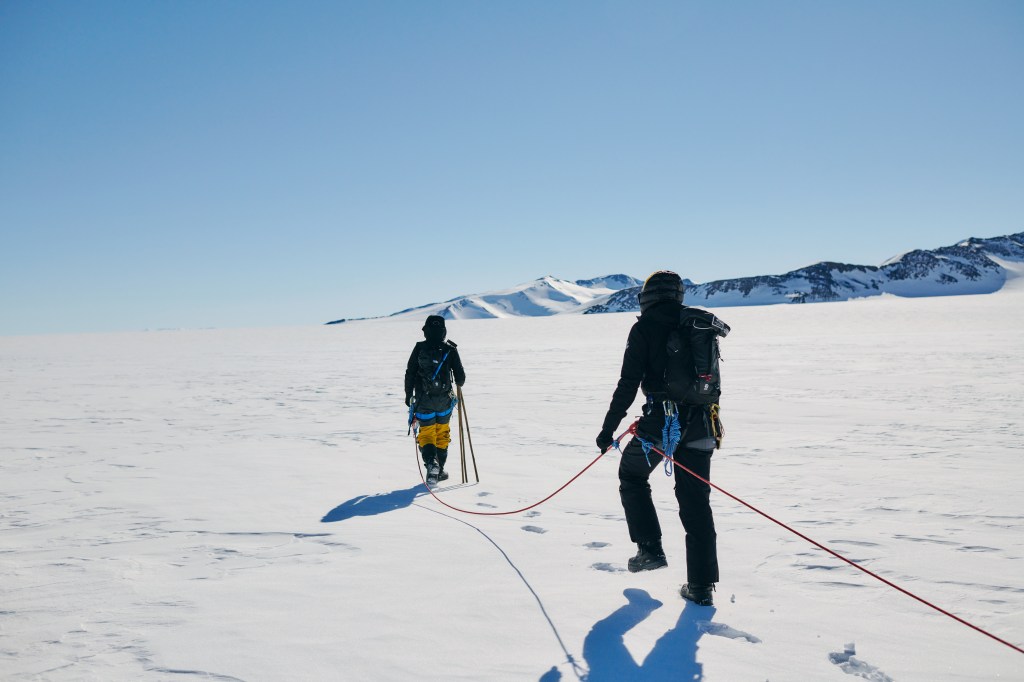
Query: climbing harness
(433, 415)
(671, 434)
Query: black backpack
(692, 375)
(435, 374)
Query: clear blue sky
(242, 163)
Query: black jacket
(417, 380)
(643, 365)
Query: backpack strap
(440, 365)
(451, 346)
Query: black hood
(664, 312)
(434, 329)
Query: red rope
(632, 431)
(503, 513)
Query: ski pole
(462, 447)
(469, 433)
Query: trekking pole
(462, 437)
(469, 433)
(462, 448)
(462, 441)
(465, 469)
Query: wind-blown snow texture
(245, 505)
(974, 266)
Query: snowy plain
(246, 504)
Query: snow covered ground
(245, 504)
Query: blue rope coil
(671, 434)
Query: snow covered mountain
(541, 297)
(973, 266)
(613, 282)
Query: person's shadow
(674, 656)
(371, 505)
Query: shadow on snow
(371, 505)
(674, 656)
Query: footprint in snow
(484, 504)
(851, 665)
(534, 529)
(723, 630)
(597, 545)
(607, 568)
(532, 514)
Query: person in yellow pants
(434, 368)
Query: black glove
(604, 440)
(408, 399)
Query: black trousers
(693, 497)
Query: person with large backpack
(429, 394)
(672, 354)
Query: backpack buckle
(669, 407)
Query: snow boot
(649, 556)
(428, 453)
(432, 472)
(442, 457)
(698, 593)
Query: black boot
(432, 472)
(429, 454)
(442, 457)
(649, 556)
(698, 593)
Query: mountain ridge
(971, 266)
